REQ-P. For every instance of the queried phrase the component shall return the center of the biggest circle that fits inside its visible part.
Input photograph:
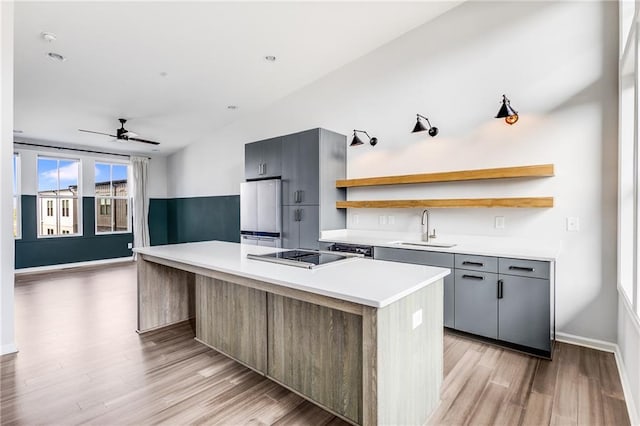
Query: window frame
(628, 268)
(112, 198)
(17, 195)
(58, 199)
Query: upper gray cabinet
(301, 168)
(311, 162)
(262, 159)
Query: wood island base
(367, 365)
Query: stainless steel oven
(366, 251)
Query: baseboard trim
(59, 267)
(615, 349)
(634, 417)
(7, 349)
(587, 342)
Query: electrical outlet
(417, 318)
(129, 245)
(382, 220)
(573, 224)
(392, 220)
(354, 219)
(499, 222)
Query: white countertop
(517, 248)
(364, 281)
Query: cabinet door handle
(295, 215)
(300, 195)
(296, 197)
(468, 262)
(521, 268)
(500, 283)
(300, 215)
(473, 277)
(264, 168)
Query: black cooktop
(301, 258)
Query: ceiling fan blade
(144, 141)
(97, 133)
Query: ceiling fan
(123, 134)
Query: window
(65, 210)
(105, 207)
(112, 198)
(58, 201)
(629, 159)
(17, 222)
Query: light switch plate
(499, 222)
(392, 220)
(417, 318)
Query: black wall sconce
(357, 141)
(420, 127)
(509, 114)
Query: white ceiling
(213, 54)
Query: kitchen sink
(423, 244)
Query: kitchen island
(361, 338)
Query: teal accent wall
(33, 251)
(183, 220)
(158, 222)
(171, 221)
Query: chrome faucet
(425, 227)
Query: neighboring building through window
(58, 201)
(17, 222)
(112, 198)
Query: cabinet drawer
(419, 257)
(524, 268)
(476, 263)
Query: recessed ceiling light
(164, 74)
(155, 150)
(56, 57)
(270, 58)
(232, 106)
(48, 36)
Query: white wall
(7, 332)
(557, 61)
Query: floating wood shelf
(523, 202)
(540, 170)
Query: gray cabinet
(262, 159)
(476, 302)
(428, 258)
(301, 168)
(512, 306)
(509, 300)
(524, 303)
(300, 227)
(311, 162)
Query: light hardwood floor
(80, 361)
